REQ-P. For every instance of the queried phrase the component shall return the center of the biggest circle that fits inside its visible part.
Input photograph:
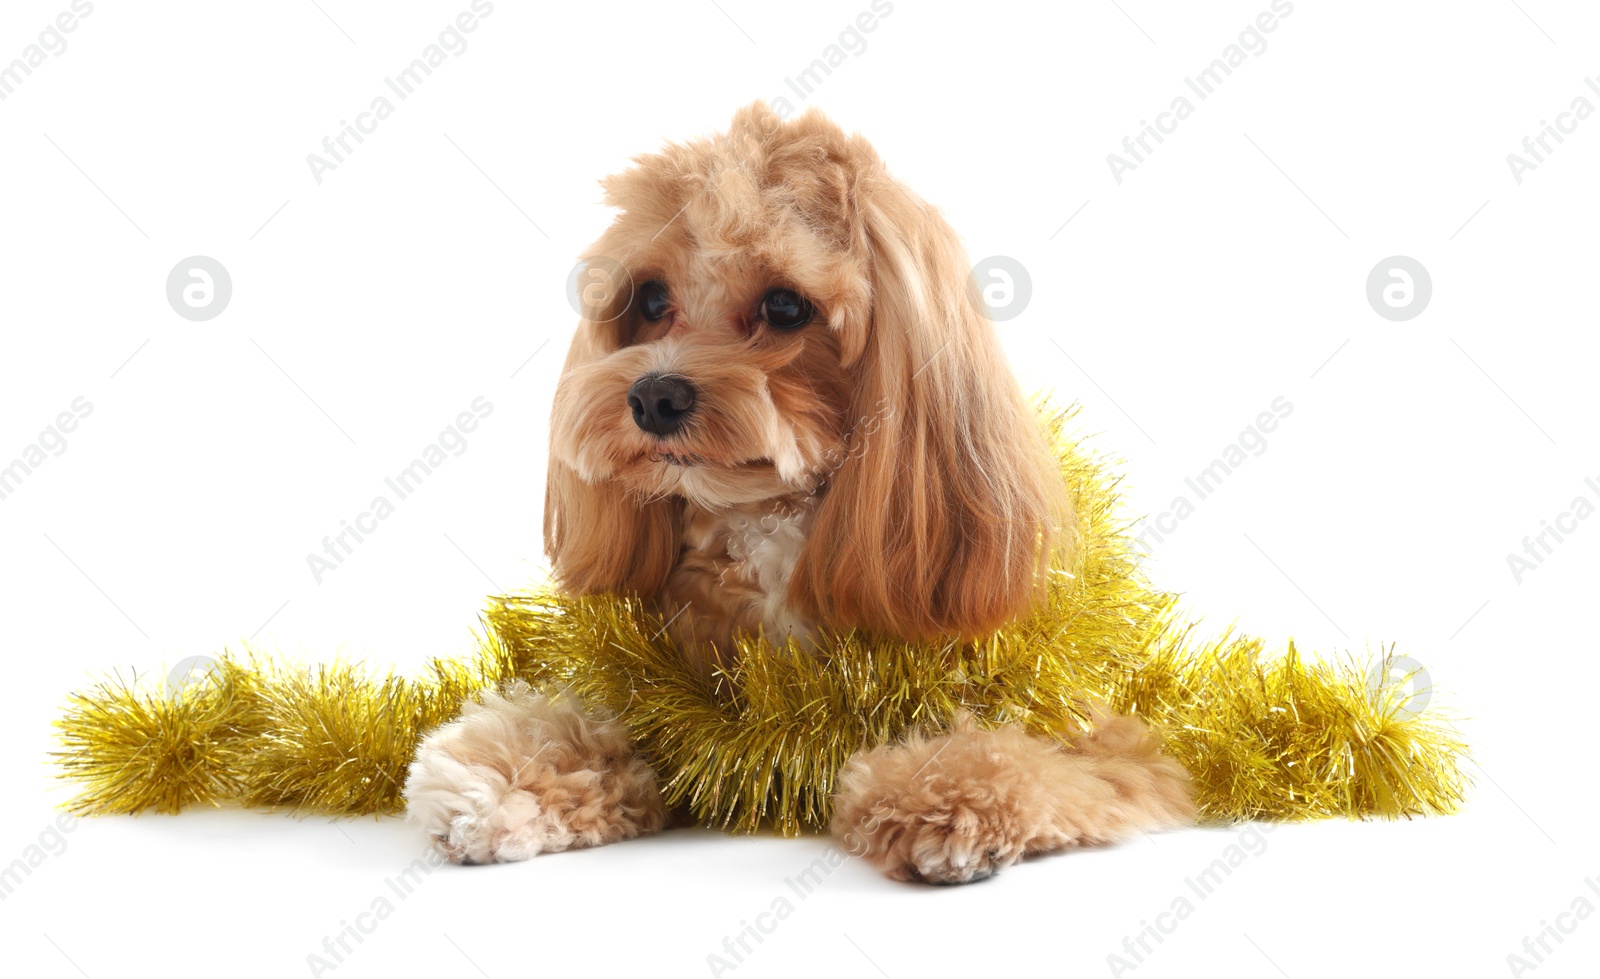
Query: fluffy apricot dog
(785, 412)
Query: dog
(785, 413)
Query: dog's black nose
(661, 404)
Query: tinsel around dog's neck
(1264, 736)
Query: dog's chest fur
(733, 574)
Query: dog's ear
(598, 536)
(949, 505)
(600, 539)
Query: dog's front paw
(948, 834)
(946, 810)
(960, 806)
(526, 773)
(476, 820)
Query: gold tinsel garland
(1264, 736)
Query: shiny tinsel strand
(1265, 736)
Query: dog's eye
(786, 309)
(653, 303)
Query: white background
(1227, 270)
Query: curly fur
(524, 773)
(960, 806)
(875, 469)
(938, 503)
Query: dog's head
(771, 315)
